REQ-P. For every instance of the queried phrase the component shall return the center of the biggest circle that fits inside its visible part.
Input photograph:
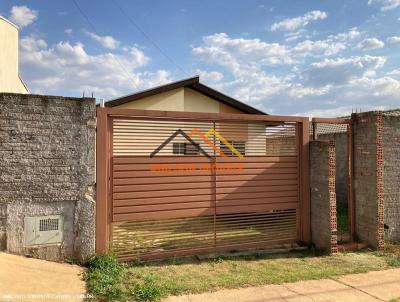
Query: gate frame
(104, 153)
(350, 166)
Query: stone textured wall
(47, 163)
(323, 196)
(391, 173)
(367, 179)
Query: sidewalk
(372, 286)
(20, 275)
(39, 280)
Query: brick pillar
(368, 178)
(323, 195)
(391, 173)
(332, 196)
(379, 184)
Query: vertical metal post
(314, 132)
(214, 186)
(110, 161)
(102, 183)
(305, 207)
(299, 130)
(350, 178)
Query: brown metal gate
(176, 183)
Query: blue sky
(320, 58)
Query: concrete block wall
(323, 195)
(341, 164)
(47, 163)
(368, 178)
(391, 173)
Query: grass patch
(342, 214)
(391, 254)
(104, 277)
(152, 281)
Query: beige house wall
(181, 99)
(198, 102)
(9, 76)
(167, 101)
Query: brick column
(332, 196)
(379, 184)
(323, 195)
(368, 178)
(391, 173)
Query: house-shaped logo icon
(187, 137)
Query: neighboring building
(187, 95)
(10, 80)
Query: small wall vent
(48, 224)
(43, 230)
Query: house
(221, 169)
(189, 95)
(10, 80)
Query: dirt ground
(27, 279)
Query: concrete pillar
(323, 195)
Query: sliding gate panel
(258, 203)
(161, 186)
(181, 186)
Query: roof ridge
(192, 83)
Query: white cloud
(68, 31)
(338, 111)
(393, 40)
(105, 41)
(369, 44)
(299, 91)
(248, 61)
(234, 53)
(31, 43)
(342, 70)
(386, 4)
(353, 33)
(325, 47)
(209, 76)
(394, 72)
(365, 93)
(255, 88)
(67, 68)
(294, 35)
(292, 24)
(382, 91)
(300, 76)
(23, 15)
(246, 55)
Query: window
(238, 145)
(178, 148)
(191, 149)
(185, 149)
